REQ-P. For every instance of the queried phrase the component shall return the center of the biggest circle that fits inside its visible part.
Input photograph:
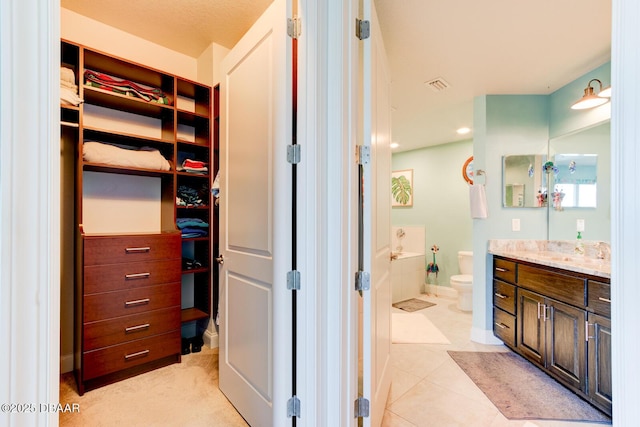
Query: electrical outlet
(515, 224)
(580, 225)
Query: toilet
(463, 283)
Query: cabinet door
(531, 332)
(600, 389)
(566, 346)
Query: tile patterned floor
(429, 389)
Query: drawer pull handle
(136, 328)
(137, 276)
(136, 302)
(137, 250)
(501, 325)
(502, 270)
(137, 354)
(499, 295)
(604, 299)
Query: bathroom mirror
(582, 181)
(524, 183)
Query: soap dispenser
(579, 248)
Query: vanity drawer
(115, 358)
(599, 297)
(131, 248)
(504, 327)
(504, 296)
(112, 277)
(122, 303)
(110, 332)
(504, 270)
(562, 287)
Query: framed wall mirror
(524, 182)
(582, 182)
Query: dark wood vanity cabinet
(598, 329)
(561, 324)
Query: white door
(376, 304)
(255, 214)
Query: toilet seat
(462, 279)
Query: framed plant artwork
(402, 188)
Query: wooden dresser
(130, 306)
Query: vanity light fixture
(394, 145)
(463, 130)
(605, 93)
(590, 99)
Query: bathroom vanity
(554, 309)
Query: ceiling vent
(438, 84)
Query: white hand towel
(478, 201)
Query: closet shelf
(100, 167)
(196, 270)
(104, 98)
(192, 314)
(193, 175)
(101, 134)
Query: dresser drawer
(113, 277)
(131, 248)
(563, 287)
(105, 333)
(111, 359)
(504, 296)
(504, 327)
(599, 297)
(122, 303)
(504, 270)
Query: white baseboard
(66, 363)
(441, 291)
(211, 339)
(484, 336)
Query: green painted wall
(440, 201)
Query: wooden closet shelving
(114, 341)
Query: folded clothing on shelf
(190, 197)
(192, 227)
(110, 154)
(193, 166)
(125, 87)
(68, 87)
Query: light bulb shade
(589, 99)
(605, 93)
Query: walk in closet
(139, 222)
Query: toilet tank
(465, 262)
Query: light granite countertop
(596, 260)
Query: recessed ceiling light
(463, 131)
(394, 145)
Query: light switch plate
(515, 224)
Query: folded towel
(478, 201)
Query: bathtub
(407, 275)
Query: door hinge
(363, 29)
(293, 407)
(363, 281)
(293, 154)
(293, 280)
(294, 27)
(361, 407)
(363, 152)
